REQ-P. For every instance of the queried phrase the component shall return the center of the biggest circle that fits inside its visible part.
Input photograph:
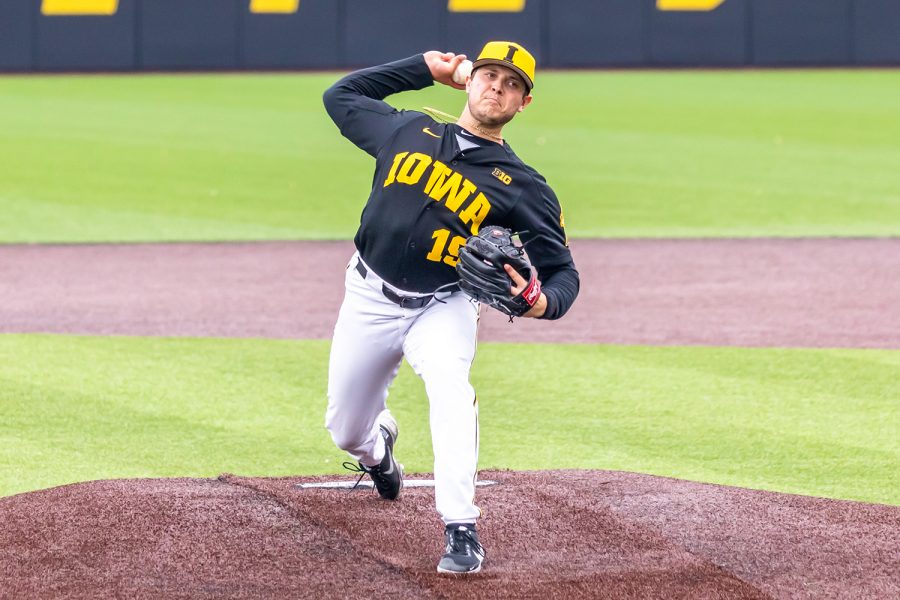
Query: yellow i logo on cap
(508, 54)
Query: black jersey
(436, 184)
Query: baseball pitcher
(434, 244)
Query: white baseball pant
(371, 337)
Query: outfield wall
(60, 35)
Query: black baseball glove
(483, 278)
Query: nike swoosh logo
(391, 470)
(429, 132)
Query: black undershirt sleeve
(560, 285)
(537, 215)
(355, 102)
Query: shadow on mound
(561, 534)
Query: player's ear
(525, 102)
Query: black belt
(402, 301)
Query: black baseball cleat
(464, 553)
(388, 474)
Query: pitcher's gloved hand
(482, 273)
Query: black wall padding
(309, 38)
(714, 38)
(17, 19)
(468, 32)
(586, 33)
(190, 34)
(801, 32)
(876, 32)
(343, 34)
(87, 41)
(386, 30)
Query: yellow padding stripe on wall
(274, 6)
(486, 5)
(79, 7)
(688, 5)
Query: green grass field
(819, 422)
(219, 157)
(631, 154)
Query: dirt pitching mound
(568, 534)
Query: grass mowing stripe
(802, 421)
(817, 422)
(630, 154)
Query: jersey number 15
(443, 252)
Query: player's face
(496, 94)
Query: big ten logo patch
(506, 179)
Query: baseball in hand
(462, 71)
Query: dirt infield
(750, 292)
(569, 534)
